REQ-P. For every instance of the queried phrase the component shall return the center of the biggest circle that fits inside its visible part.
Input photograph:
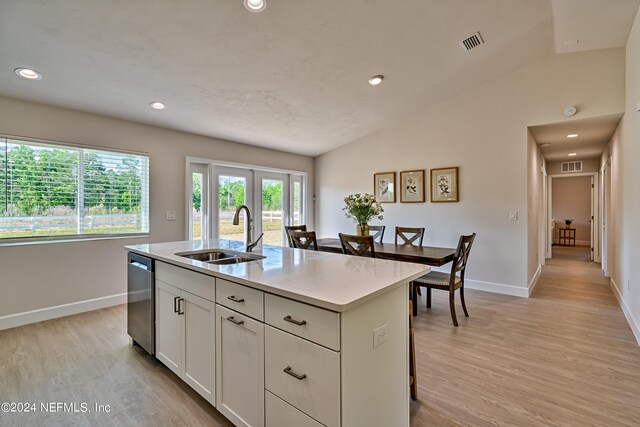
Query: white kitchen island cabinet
(301, 338)
(185, 328)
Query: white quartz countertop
(332, 281)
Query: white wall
(572, 200)
(484, 132)
(536, 217)
(624, 220)
(44, 275)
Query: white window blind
(49, 191)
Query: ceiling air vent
(472, 41)
(572, 166)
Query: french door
(275, 199)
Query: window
(50, 191)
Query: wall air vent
(572, 166)
(474, 40)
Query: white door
(199, 344)
(168, 327)
(240, 367)
(272, 206)
(231, 188)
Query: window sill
(68, 239)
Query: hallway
(565, 357)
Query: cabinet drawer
(241, 298)
(190, 281)
(279, 413)
(306, 321)
(303, 374)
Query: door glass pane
(231, 192)
(196, 212)
(296, 203)
(272, 196)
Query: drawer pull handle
(234, 299)
(288, 370)
(294, 321)
(237, 322)
(175, 304)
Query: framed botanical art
(412, 186)
(384, 187)
(444, 184)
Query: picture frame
(412, 186)
(444, 185)
(384, 187)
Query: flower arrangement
(568, 221)
(362, 208)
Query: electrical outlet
(380, 335)
(513, 215)
(171, 215)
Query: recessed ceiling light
(157, 105)
(546, 144)
(573, 154)
(28, 73)
(572, 135)
(255, 5)
(376, 80)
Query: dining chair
(357, 245)
(289, 228)
(447, 282)
(409, 235)
(304, 239)
(379, 232)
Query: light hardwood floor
(565, 357)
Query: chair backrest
(289, 228)
(409, 235)
(462, 255)
(357, 245)
(304, 239)
(377, 231)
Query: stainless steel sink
(220, 257)
(206, 256)
(234, 260)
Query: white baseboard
(625, 309)
(497, 288)
(534, 280)
(20, 319)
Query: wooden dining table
(408, 253)
(428, 255)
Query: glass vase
(362, 230)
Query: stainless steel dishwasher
(141, 301)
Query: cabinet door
(168, 327)
(240, 367)
(199, 345)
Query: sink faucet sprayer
(249, 227)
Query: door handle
(175, 304)
(180, 308)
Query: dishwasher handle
(139, 265)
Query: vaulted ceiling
(293, 77)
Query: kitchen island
(295, 337)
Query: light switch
(513, 215)
(171, 215)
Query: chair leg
(414, 298)
(413, 379)
(464, 306)
(452, 306)
(428, 297)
